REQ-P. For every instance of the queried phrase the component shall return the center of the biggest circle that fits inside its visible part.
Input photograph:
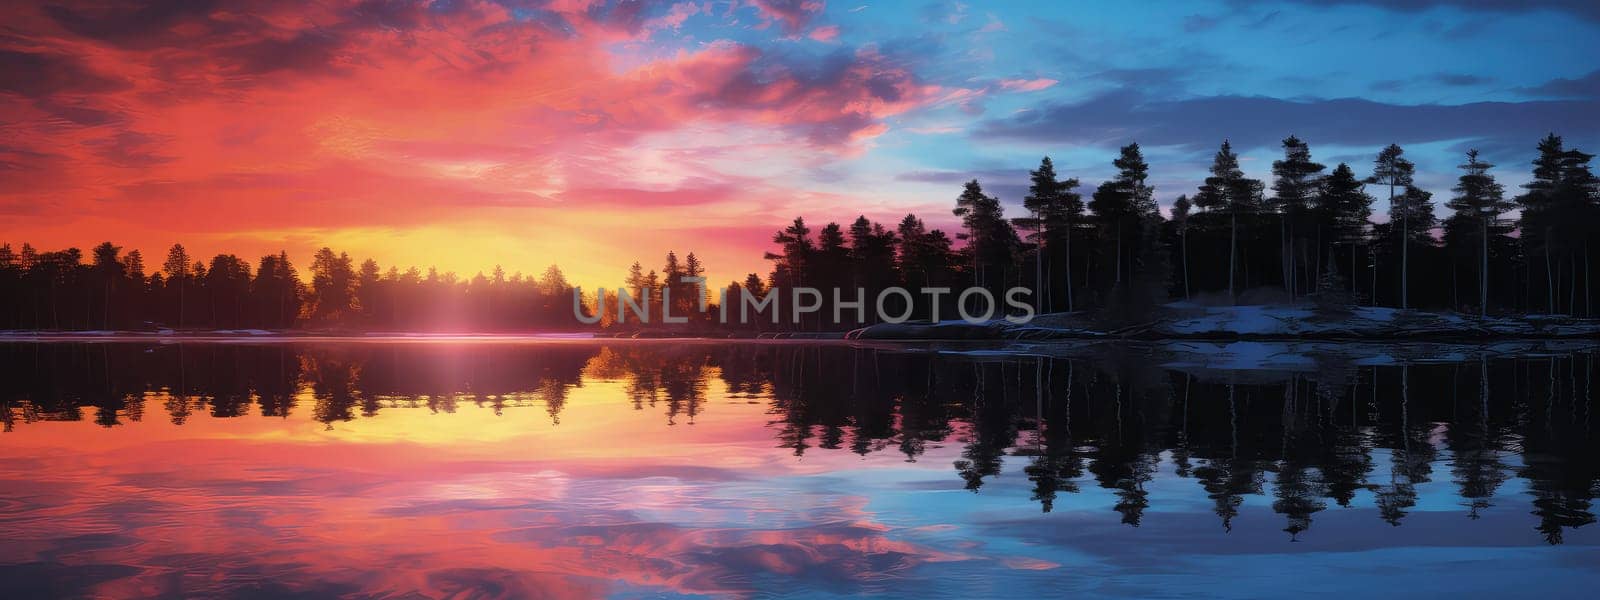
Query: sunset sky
(591, 134)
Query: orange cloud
(285, 126)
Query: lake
(683, 468)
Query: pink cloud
(826, 33)
(1026, 85)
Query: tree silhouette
(1297, 180)
(1229, 192)
(1180, 221)
(1479, 200)
(177, 267)
(1391, 169)
(1558, 209)
(1055, 210)
(333, 287)
(1343, 209)
(1132, 259)
(991, 241)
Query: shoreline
(1171, 322)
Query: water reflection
(642, 468)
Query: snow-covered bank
(1262, 361)
(1299, 321)
(1181, 320)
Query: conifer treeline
(1309, 234)
(58, 290)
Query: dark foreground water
(687, 469)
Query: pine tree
(635, 282)
(872, 254)
(1121, 203)
(1227, 190)
(108, 270)
(1558, 209)
(1055, 208)
(983, 218)
(1479, 198)
(1344, 209)
(1132, 172)
(333, 287)
(1180, 221)
(1113, 211)
(1297, 180)
(694, 293)
(1331, 291)
(178, 271)
(652, 290)
(1413, 210)
(790, 264)
(672, 274)
(1391, 169)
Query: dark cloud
(621, 15)
(1153, 80)
(1444, 79)
(132, 24)
(831, 97)
(130, 149)
(307, 51)
(791, 15)
(78, 112)
(1461, 79)
(392, 14)
(1124, 116)
(38, 75)
(59, 579)
(1587, 9)
(1587, 86)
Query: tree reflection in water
(1324, 433)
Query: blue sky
(1177, 76)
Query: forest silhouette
(1307, 235)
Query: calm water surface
(576, 469)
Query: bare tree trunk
(1050, 276)
(1483, 274)
(1284, 259)
(1572, 284)
(1549, 280)
(1038, 264)
(1119, 255)
(1455, 285)
(1069, 267)
(1372, 252)
(1316, 282)
(1353, 251)
(1233, 236)
(1183, 246)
